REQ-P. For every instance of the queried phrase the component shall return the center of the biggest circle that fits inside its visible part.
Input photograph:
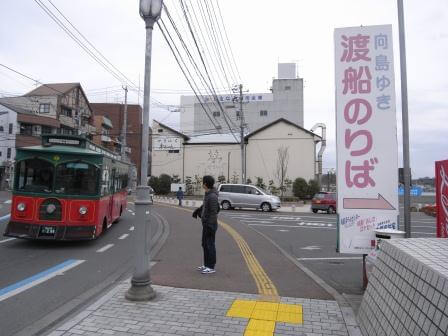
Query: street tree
(282, 167)
(313, 187)
(164, 184)
(260, 183)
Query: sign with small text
(442, 198)
(366, 136)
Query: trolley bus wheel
(104, 225)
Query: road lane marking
(7, 240)
(37, 279)
(283, 230)
(105, 248)
(124, 236)
(5, 217)
(131, 228)
(257, 221)
(133, 214)
(295, 226)
(130, 210)
(335, 258)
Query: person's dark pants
(180, 201)
(208, 245)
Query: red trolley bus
(66, 189)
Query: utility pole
(124, 128)
(243, 152)
(405, 122)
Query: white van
(246, 196)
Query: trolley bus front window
(76, 178)
(35, 175)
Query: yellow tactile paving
(290, 308)
(261, 326)
(241, 308)
(266, 315)
(292, 318)
(263, 315)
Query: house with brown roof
(65, 102)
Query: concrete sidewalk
(188, 312)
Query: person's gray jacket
(210, 209)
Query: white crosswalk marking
(124, 236)
(131, 228)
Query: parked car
(246, 196)
(324, 201)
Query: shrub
(300, 188)
(313, 188)
(164, 184)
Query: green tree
(164, 184)
(175, 179)
(249, 181)
(221, 179)
(313, 188)
(189, 185)
(300, 188)
(260, 183)
(272, 188)
(154, 184)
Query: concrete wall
(408, 290)
(7, 140)
(285, 101)
(262, 153)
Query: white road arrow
(310, 248)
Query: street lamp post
(141, 289)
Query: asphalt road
(311, 239)
(95, 266)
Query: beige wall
(164, 162)
(262, 153)
(213, 159)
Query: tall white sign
(366, 136)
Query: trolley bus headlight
(82, 210)
(21, 207)
(51, 208)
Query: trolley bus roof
(61, 150)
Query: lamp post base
(140, 293)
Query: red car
(324, 201)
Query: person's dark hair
(209, 181)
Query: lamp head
(151, 9)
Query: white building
(284, 101)
(174, 153)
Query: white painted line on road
(295, 226)
(131, 228)
(337, 258)
(105, 248)
(130, 210)
(124, 236)
(133, 214)
(7, 240)
(147, 212)
(37, 279)
(257, 221)
(283, 230)
(5, 217)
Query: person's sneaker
(201, 268)
(208, 271)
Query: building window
(287, 88)
(160, 130)
(263, 113)
(1, 129)
(8, 153)
(46, 130)
(66, 111)
(10, 129)
(1, 153)
(44, 108)
(26, 129)
(173, 151)
(216, 114)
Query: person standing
(180, 195)
(208, 213)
